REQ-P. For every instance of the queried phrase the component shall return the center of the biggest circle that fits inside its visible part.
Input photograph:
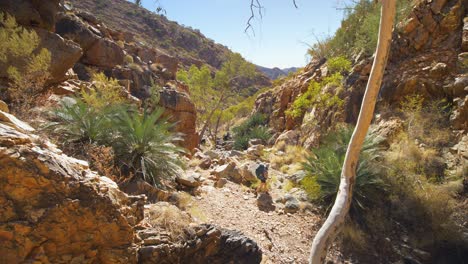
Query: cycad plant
(324, 166)
(144, 145)
(77, 122)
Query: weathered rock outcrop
(205, 244)
(104, 53)
(427, 58)
(53, 209)
(182, 110)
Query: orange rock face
(180, 109)
(53, 209)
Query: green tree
(212, 95)
(233, 70)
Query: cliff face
(428, 57)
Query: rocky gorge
(57, 207)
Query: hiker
(262, 174)
(227, 136)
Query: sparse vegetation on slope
(23, 63)
(358, 31)
(324, 94)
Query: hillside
(140, 25)
(134, 24)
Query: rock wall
(149, 67)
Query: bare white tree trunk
(337, 216)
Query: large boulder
(169, 63)
(290, 137)
(53, 209)
(64, 54)
(74, 29)
(104, 53)
(248, 171)
(205, 244)
(229, 171)
(190, 181)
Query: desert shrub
(155, 95)
(128, 59)
(321, 49)
(253, 127)
(325, 167)
(289, 159)
(338, 64)
(144, 145)
(25, 63)
(311, 187)
(427, 121)
(423, 210)
(105, 92)
(415, 203)
(315, 97)
(288, 185)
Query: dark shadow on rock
(265, 202)
(206, 244)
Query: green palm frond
(77, 122)
(145, 145)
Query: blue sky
(279, 37)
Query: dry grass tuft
(169, 218)
(289, 160)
